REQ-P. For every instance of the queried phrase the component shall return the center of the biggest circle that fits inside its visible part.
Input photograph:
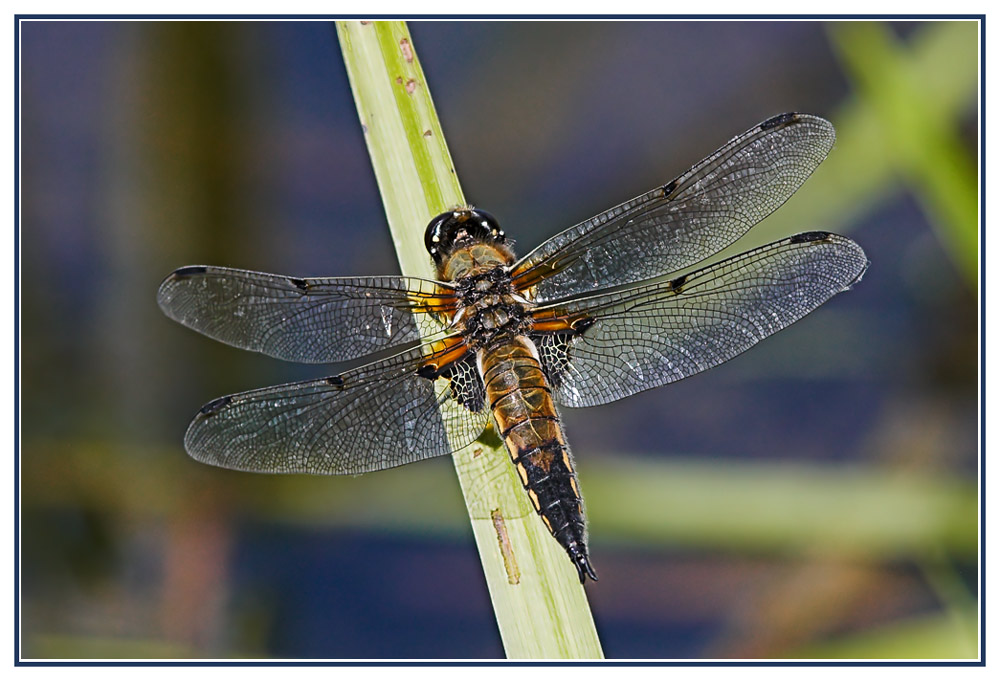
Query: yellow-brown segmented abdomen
(526, 418)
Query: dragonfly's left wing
(383, 414)
(605, 347)
(332, 319)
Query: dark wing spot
(780, 120)
(581, 325)
(335, 381)
(669, 188)
(189, 271)
(429, 371)
(213, 407)
(809, 236)
(678, 283)
(300, 284)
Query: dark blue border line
(982, 340)
(426, 663)
(17, 347)
(478, 17)
(505, 663)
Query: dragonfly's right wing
(616, 344)
(685, 221)
(324, 320)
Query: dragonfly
(603, 310)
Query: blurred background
(815, 497)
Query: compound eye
(489, 224)
(435, 234)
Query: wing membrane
(651, 335)
(675, 226)
(377, 416)
(303, 320)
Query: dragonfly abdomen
(526, 418)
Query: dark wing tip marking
(300, 284)
(188, 271)
(335, 381)
(669, 188)
(163, 293)
(169, 286)
(806, 237)
(829, 237)
(216, 405)
(780, 120)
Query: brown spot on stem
(406, 49)
(506, 550)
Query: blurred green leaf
(863, 512)
(873, 153)
(916, 127)
(785, 507)
(64, 647)
(925, 638)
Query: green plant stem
(541, 609)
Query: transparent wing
(377, 416)
(651, 335)
(304, 320)
(675, 226)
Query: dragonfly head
(460, 228)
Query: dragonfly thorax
(490, 309)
